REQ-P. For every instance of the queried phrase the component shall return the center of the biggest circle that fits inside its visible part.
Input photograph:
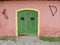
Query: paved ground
(25, 40)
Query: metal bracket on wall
(52, 10)
(4, 13)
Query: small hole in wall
(4, 10)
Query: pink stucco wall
(49, 25)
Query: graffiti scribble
(52, 10)
(4, 13)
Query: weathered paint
(49, 25)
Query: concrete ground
(26, 40)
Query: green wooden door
(28, 22)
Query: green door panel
(28, 22)
(32, 23)
(21, 23)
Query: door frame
(38, 19)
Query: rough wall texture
(49, 25)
